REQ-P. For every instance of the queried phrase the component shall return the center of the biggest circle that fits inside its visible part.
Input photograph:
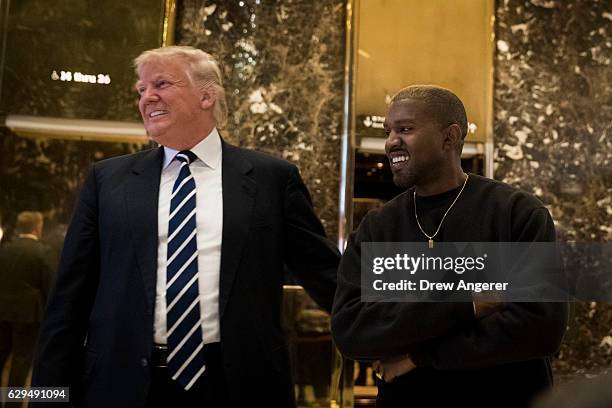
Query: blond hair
(28, 221)
(203, 71)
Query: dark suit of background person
(25, 275)
(448, 354)
(97, 336)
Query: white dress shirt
(206, 172)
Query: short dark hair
(27, 221)
(443, 104)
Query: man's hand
(484, 309)
(390, 369)
(491, 303)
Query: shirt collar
(208, 150)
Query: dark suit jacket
(97, 335)
(25, 275)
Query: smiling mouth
(157, 113)
(398, 160)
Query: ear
(207, 100)
(452, 137)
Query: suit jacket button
(144, 362)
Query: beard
(418, 174)
(404, 179)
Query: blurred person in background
(25, 275)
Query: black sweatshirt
(498, 361)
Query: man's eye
(162, 83)
(405, 129)
(387, 132)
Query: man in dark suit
(170, 281)
(24, 281)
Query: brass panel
(443, 42)
(347, 156)
(169, 23)
(341, 390)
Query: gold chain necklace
(431, 237)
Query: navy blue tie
(185, 342)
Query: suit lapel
(238, 198)
(142, 195)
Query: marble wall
(283, 66)
(552, 119)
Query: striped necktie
(185, 342)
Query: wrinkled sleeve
(310, 256)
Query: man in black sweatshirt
(449, 353)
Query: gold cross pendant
(430, 243)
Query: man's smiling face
(170, 104)
(414, 143)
